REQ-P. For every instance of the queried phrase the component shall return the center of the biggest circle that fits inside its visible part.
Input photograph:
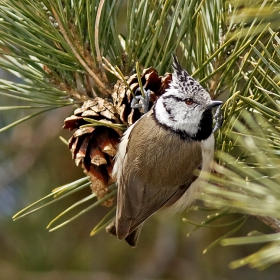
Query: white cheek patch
(176, 115)
(162, 115)
(190, 122)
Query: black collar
(205, 127)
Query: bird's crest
(181, 78)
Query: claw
(141, 102)
(218, 117)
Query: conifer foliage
(96, 55)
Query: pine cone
(122, 96)
(93, 146)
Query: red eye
(189, 101)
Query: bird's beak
(214, 103)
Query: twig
(273, 223)
(96, 39)
(98, 82)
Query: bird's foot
(218, 117)
(141, 102)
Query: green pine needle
(104, 222)
(98, 203)
(56, 195)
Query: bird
(159, 155)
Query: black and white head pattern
(185, 107)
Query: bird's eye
(189, 101)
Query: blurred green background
(33, 162)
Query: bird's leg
(141, 102)
(218, 117)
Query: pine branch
(273, 223)
(58, 48)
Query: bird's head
(186, 107)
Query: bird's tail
(131, 238)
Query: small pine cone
(122, 96)
(93, 147)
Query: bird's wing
(154, 172)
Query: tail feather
(131, 238)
